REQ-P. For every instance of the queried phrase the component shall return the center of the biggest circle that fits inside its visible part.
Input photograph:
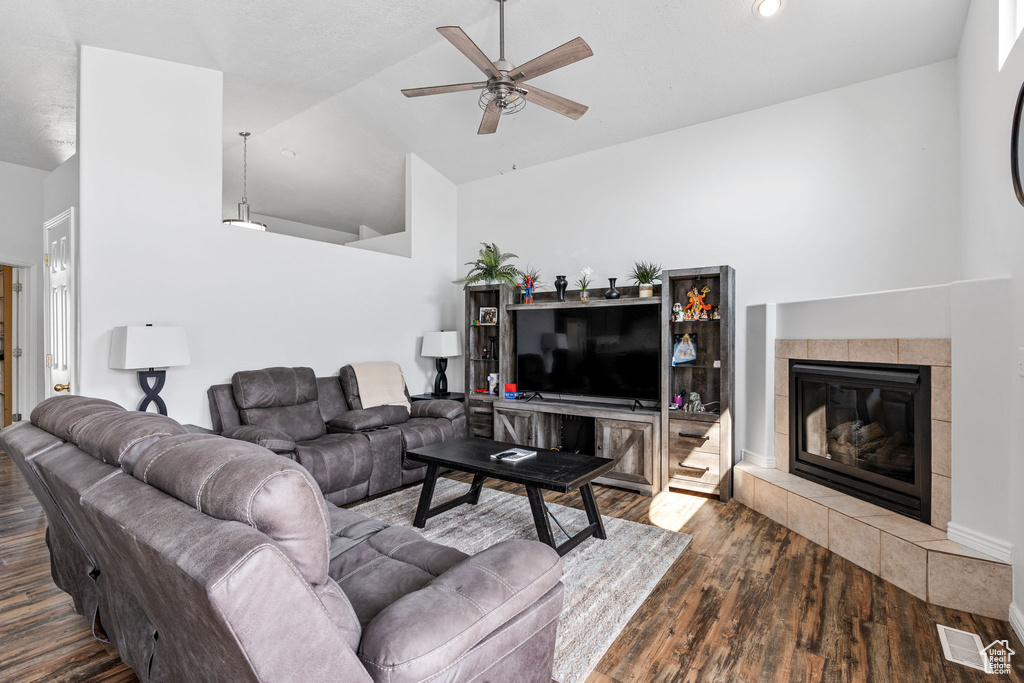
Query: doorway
(10, 348)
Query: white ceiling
(322, 77)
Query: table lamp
(146, 348)
(441, 346)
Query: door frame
(76, 328)
(25, 332)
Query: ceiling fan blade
(563, 55)
(441, 89)
(489, 123)
(464, 44)
(556, 103)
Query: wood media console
(655, 447)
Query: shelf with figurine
(698, 377)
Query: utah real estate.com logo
(997, 659)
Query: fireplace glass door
(868, 428)
(864, 429)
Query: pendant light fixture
(243, 207)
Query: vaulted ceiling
(322, 78)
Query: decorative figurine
(677, 313)
(486, 353)
(527, 286)
(715, 315)
(695, 406)
(696, 306)
(492, 383)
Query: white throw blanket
(381, 384)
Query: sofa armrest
(271, 439)
(365, 419)
(423, 632)
(438, 407)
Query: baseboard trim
(757, 459)
(1017, 621)
(983, 543)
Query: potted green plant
(645, 275)
(584, 283)
(491, 268)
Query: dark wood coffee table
(548, 470)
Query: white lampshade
(137, 347)
(441, 345)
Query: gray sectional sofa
(352, 452)
(203, 558)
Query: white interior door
(59, 309)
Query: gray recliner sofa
(320, 422)
(208, 559)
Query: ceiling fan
(503, 91)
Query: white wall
(916, 312)
(60, 189)
(992, 234)
(283, 226)
(247, 299)
(21, 243)
(852, 190)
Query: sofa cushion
(274, 387)
(336, 461)
(223, 409)
(330, 397)
(350, 385)
(120, 439)
(388, 565)
(59, 414)
(419, 635)
(449, 410)
(236, 480)
(301, 422)
(422, 431)
(271, 439)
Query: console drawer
(480, 419)
(695, 466)
(685, 436)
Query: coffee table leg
(540, 515)
(474, 491)
(593, 514)
(426, 494)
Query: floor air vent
(962, 647)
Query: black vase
(560, 284)
(612, 293)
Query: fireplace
(864, 429)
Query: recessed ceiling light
(290, 153)
(766, 8)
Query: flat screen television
(608, 351)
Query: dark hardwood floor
(749, 600)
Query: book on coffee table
(514, 455)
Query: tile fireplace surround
(909, 554)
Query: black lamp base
(152, 392)
(441, 381)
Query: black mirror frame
(1018, 111)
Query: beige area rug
(605, 581)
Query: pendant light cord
(245, 167)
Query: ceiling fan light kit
(503, 91)
(243, 207)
